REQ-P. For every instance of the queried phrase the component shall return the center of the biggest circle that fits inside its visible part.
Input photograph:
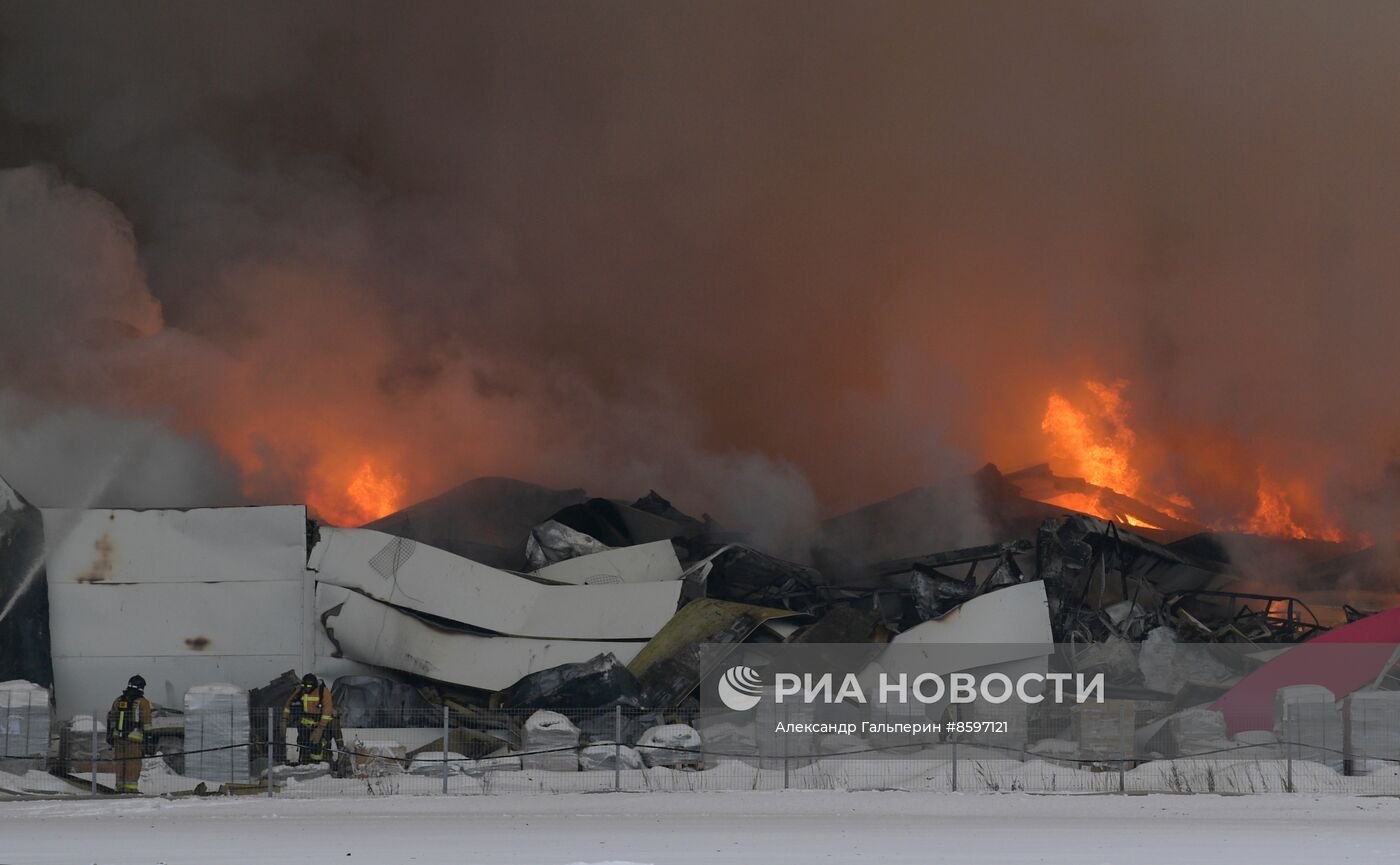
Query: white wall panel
(643, 563)
(167, 546)
(429, 580)
(181, 619)
(378, 634)
(182, 597)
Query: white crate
(216, 717)
(24, 719)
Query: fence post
(271, 788)
(758, 748)
(1288, 746)
(617, 748)
(787, 740)
(92, 755)
(1123, 727)
(955, 749)
(444, 748)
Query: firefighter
(129, 733)
(309, 710)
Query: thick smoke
(783, 257)
(82, 458)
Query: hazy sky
(770, 258)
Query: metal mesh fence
(1349, 748)
(24, 721)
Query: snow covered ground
(773, 828)
(910, 773)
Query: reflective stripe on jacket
(312, 708)
(130, 718)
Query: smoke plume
(776, 259)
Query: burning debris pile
(500, 597)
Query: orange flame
(1141, 524)
(1092, 504)
(1097, 445)
(1273, 514)
(369, 494)
(1099, 450)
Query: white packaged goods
(430, 763)
(85, 723)
(1308, 723)
(1156, 658)
(500, 760)
(1062, 748)
(380, 756)
(670, 745)
(24, 719)
(553, 733)
(608, 755)
(79, 739)
(1373, 725)
(1196, 731)
(1256, 745)
(216, 722)
(1167, 665)
(1115, 657)
(1105, 730)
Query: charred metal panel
(24, 596)
(599, 682)
(694, 642)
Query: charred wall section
(24, 592)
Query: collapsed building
(504, 595)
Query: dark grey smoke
(812, 253)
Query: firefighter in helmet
(129, 733)
(309, 710)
